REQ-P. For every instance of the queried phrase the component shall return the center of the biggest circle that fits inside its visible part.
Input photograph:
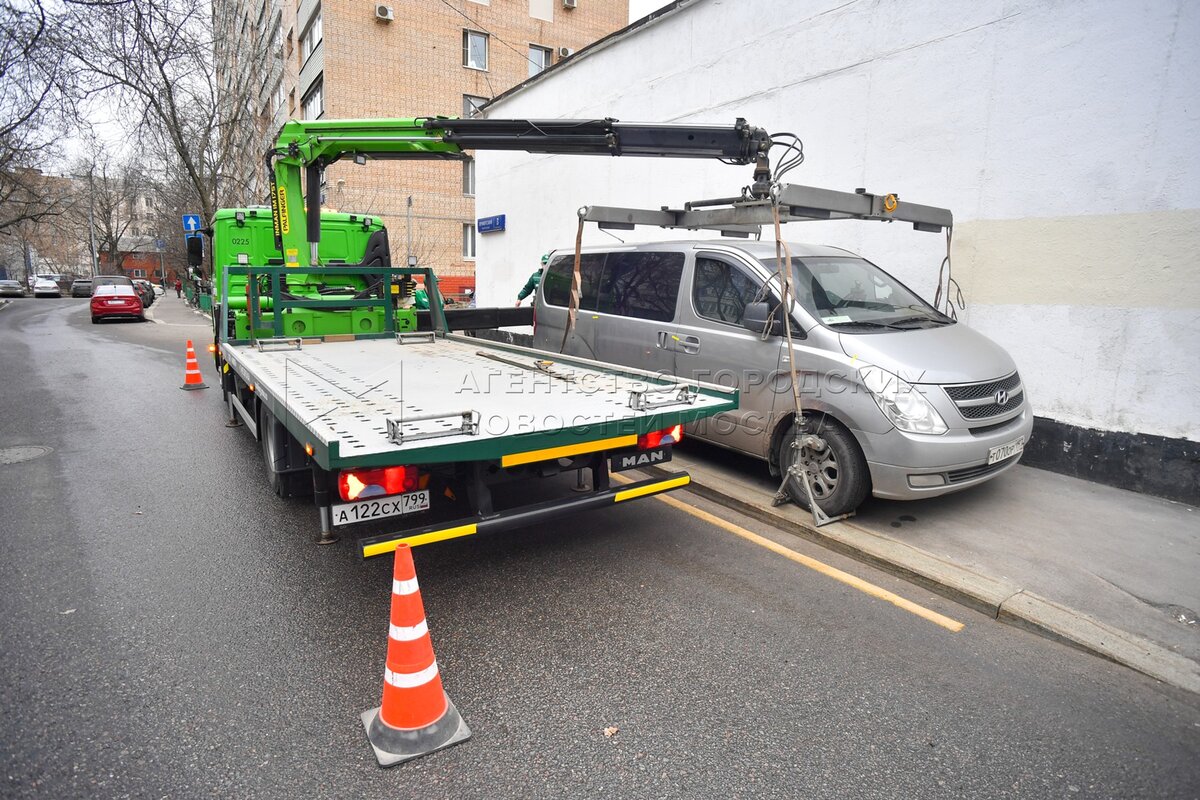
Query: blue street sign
(191, 223)
(160, 244)
(490, 224)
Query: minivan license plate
(1004, 451)
(366, 510)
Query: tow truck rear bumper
(520, 517)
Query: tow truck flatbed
(457, 399)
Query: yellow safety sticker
(653, 488)
(533, 456)
(285, 225)
(379, 548)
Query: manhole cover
(15, 455)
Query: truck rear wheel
(841, 477)
(280, 449)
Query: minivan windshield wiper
(863, 324)
(920, 318)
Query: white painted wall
(1064, 136)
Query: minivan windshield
(846, 292)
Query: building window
(468, 240)
(539, 59)
(137, 273)
(472, 105)
(311, 36)
(312, 105)
(469, 176)
(280, 93)
(475, 50)
(542, 9)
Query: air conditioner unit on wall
(384, 13)
(570, 3)
(563, 52)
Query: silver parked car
(911, 403)
(11, 289)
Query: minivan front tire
(841, 477)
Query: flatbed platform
(425, 399)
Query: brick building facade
(343, 59)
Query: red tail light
(360, 484)
(649, 441)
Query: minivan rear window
(640, 285)
(557, 280)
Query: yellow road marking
(832, 572)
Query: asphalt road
(169, 629)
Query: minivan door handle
(690, 344)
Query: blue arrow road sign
(191, 223)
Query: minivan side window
(720, 291)
(641, 285)
(556, 281)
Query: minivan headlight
(901, 403)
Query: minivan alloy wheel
(840, 478)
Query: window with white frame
(468, 250)
(312, 105)
(469, 176)
(311, 37)
(539, 59)
(475, 50)
(472, 105)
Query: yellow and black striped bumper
(520, 517)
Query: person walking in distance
(531, 285)
(178, 288)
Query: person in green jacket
(531, 285)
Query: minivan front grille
(989, 399)
(975, 391)
(991, 409)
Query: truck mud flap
(517, 518)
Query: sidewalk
(1109, 571)
(171, 310)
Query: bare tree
(115, 190)
(37, 96)
(157, 57)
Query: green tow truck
(401, 430)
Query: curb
(1000, 598)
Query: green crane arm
(313, 145)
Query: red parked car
(115, 300)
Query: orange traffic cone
(191, 371)
(416, 716)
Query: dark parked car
(116, 301)
(145, 291)
(82, 287)
(114, 280)
(11, 289)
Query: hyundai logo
(1002, 397)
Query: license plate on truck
(367, 510)
(1001, 452)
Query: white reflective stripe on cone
(410, 680)
(404, 587)
(402, 633)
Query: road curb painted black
(999, 598)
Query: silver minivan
(911, 403)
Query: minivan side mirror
(757, 317)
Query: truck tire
(842, 479)
(276, 443)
